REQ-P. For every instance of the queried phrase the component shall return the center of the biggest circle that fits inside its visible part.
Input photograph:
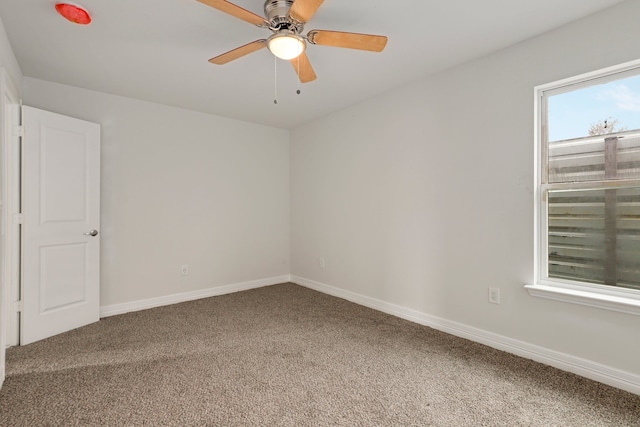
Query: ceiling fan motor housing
(277, 13)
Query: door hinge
(19, 130)
(19, 218)
(18, 307)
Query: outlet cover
(184, 269)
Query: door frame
(9, 215)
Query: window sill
(608, 301)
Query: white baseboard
(112, 310)
(585, 368)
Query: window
(588, 190)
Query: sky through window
(571, 114)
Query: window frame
(594, 295)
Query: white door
(60, 233)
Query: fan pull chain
(275, 80)
(298, 79)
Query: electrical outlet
(184, 269)
(322, 263)
(494, 295)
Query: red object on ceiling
(74, 13)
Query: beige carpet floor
(288, 356)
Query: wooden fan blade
(304, 69)
(239, 52)
(348, 40)
(303, 10)
(236, 11)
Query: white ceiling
(158, 50)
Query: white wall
(180, 187)
(8, 59)
(423, 197)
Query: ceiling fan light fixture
(286, 45)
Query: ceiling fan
(286, 19)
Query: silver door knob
(91, 233)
